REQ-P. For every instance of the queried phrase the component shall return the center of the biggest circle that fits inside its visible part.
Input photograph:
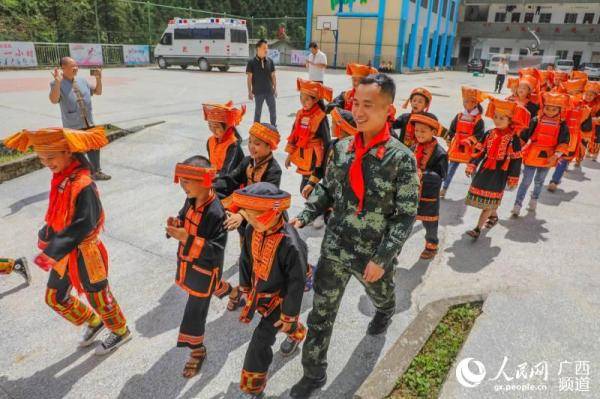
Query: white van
(564, 65)
(207, 43)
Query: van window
(564, 63)
(199, 34)
(217, 33)
(183, 34)
(167, 39)
(238, 36)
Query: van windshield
(565, 63)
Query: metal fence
(49, 54)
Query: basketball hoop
(327, 22)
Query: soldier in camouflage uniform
(373, 191)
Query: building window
(523, 51)
(540, 52)
(588, 18)
(507, 50)
(562, 54)
(570, 18)
(452, 12)
(545, 18)
(515, 17)
(528, 17)
(494, 50)
(436, 4)
(445, 7)
(424, 3)
(500, 17)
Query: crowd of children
(549, 120)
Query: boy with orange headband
(547, 140)
(224, 146)
(591, 99)
(501, 162)
(432, 165)
(578, 121)
(344, 100)
(202, 240)
(19, 266)
(466, 132)
(512, 84)
(70, 244)
(310, 134)
(259, 166)
(272, 273)
(420, 101)
(526, 91)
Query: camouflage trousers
(330, 283)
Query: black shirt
(261, 70)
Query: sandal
(475, 233)
(193, 365)
(491, 222)
(235, 299)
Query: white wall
(549, 47)
(557, 10)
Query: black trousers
(191, 332)
(499, 82)
(431, 232)
(94, 158)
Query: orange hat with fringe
(224, 113)
(530, 81)
(474, 94)
(593, 86)
(560, 76)
(359, 70)
(573, 86)
(426, 119)
(518, 114)
(263, 197)
(314, 89)
(342, 121)
(556, 99)
(528, 72)
(420, 91)
(55, 139)
(578, 75)
(263, 133)
(203, 175)
(545, 76)
(512, 83)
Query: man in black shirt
(262, 84)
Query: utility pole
(149, 23)
(97, 20)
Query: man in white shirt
(316, 63)
(501, 75)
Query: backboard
(327, 22)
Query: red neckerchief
(300, 133)
(494, 149)
(356, 177)
(57, 205)
(423, 152)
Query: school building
(411, 34)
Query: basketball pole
(335, 50)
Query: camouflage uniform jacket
(391, 197)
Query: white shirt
(502, 69)
(316, 72)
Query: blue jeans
(259, 99)
(535, 174)
(452, 167)
(559, 171)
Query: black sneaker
(288, 346)
(90, 334)
(22, 268)
(112, 342)
(305, 387)
(379, 323)
(101, 176)
(254, 395)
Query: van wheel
(224, 68)
(162, 63)
(204, 65)
(183, 66)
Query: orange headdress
(359, 70)
(263, 197)
(426, 120)
(341, 122)
(474, 94)
(224, 113)
(265, 134)
(314, 89)
(420, 91)
(512, 83)
(560, 76)
(556, 99)
(517, 113)
(203, 175)
(573, 86)
(57, 139)
(578, 75)
(592, 86)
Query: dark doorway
(464, 50)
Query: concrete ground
(556, 246)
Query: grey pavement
(557, 246)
